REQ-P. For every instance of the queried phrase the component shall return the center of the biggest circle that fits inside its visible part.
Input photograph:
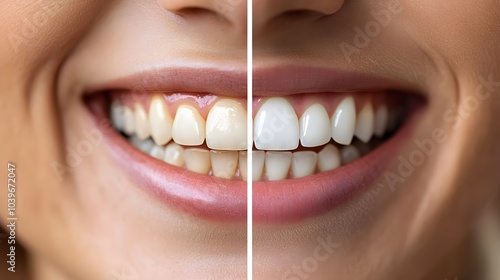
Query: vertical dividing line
(250, 140)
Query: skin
(421, 228)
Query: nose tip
(266, 10)
(233, 11)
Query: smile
(312, 150)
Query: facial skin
(93, 223)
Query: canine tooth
(189, 126)
(278, 165)
(157, 152)
(276, 126)
(129, 122)
(174, 155)
(365, 122)
(226, 126)
(116, 114)
(329, 158)
(197, 160)
(258, 159)
(315, 128)
(381, 119)
(160, 121)
(141, 123)
(224, 163)
(344, 121)
(242, 164)
(304, 163)
(349, 154)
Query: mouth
(314, 147)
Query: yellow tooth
(189, 126)
(242, 164)
(224, 163)
(129, 122)
(174, 155)
(160, 121)
(197, 160)
(141, 123)
(227, 126)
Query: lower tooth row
(269, 165)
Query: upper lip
(225, 200)
(230, 81)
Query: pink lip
(226, 200)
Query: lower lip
(223, 200)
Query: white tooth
(197, 160)
(224, 163)
(141, 123)
(258, 159)
(344, 121)
(242, 165)
(304, 164)
(278, 165)
(227, 126)
(315, 128)
(174, 155)
(160, 121)
(129, 121)
(116, 114)
(349, 154)
(365, 122)
(329, 158)
(381, 119)
(189, 127)
(157, 152)
(276, 126)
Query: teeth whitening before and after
(250, 139)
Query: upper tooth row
(276, 125)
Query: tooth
(224, 163)
(189, 126)
(329, 158)
(276, 126)
(242, 164)
(157, 152)
(278, 165)
(227, 126)
(129, 121)
(160, 121)
(174, 155)
(381, 119)
(144, 145)
(304, 164)
(344, 121)
(365, 122)
(315, 129)
(197, 160)
(141, 123)
(258, 159)
(116, 114)
(349, 154)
